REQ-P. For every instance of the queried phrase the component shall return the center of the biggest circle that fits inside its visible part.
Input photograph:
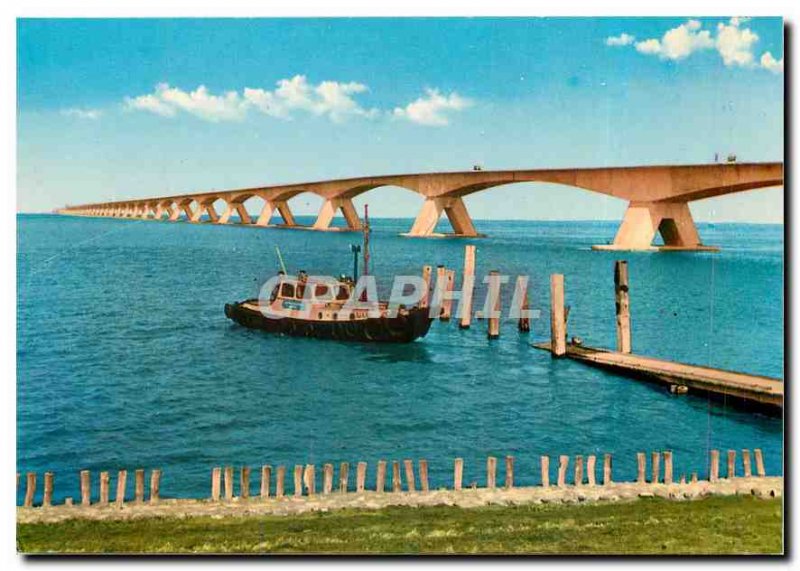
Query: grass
(716, 525)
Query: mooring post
(410, 482)
(438, 291)
(693, 479)
(713, 471)
(578, 477)
(544, 468)
(683, 479)
(746, 465)
(380, 477)
(655, 458)
(493, 318)
(86, 488)
(228, 483)
(623, 306)
(667, 466)
(397, 484)
(423, 475)
(426, 278)
(458, 473)
(266, 476)
(327, 478)
(280, 479)
(216, 476)
(30, 489)
(521, 294)
(155, 486)
(467, 286)
(447, 301)
(344, 476)
(68, 501)
(491, 472)
(298, 480)
(607, 476)
(104, 482)
(47, 499)
(590, 468)
(759, 463)
(122, 482)
(563, 464)
(309, 479)
(731, 464)
(558, 324)
(361, 476)
(509, 472)
(244, 482)
(641, 466)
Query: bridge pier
(328, 211)
(673, 220)
(453, 207)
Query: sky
(115, 109)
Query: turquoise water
(125, 358)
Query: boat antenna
(366, 239)
(280, 259)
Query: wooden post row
(467, 286)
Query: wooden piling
(426, 292)
(327, 478)
(544, 467)
(521, 294)
(397, 484)
(423, 475)
(216, 476)
(380, 477)
(104, 482)
(563, 464)
(590, 470)
(623, 306)
(361, 476)
(731, 464)
(122, 484)
(86, 488)
(458, 473)
(667, 466)
(411, 485)
(30, 489)
(467, 286)
(641, 465)
(713, 471)
(155, 486)
(655, 459)
(578, 476)
(491, 472)
(266, 476)
(298, 480)
(244, 482)
(228, 476)
(759, 463)
(447, 302)
(68, 501)
(344, 476)
(309, 479)
(493, 318)
(746, 465)
(694, 478)
(438, 291)
(683, 479)
(558, 324)
(509, 483)
(47, 498)
(607, 467)
(280, 479)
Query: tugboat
(302, 306)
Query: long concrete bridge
(658, 198)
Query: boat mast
(366, 239)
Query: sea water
(125, 358)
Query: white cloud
(91, 114)
(621, 40)
(735, 44)
(433, 108)
(167, 101)
(770, 63)
(651, 46)
(679, 42)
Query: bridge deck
(742, 386)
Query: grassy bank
(712, 525)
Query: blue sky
(112, 109)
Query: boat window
(274, 294)
(334, 316)
(342, 293)
(287, 289)
(301, 291)
(321, 290)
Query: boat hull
(399, 329)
